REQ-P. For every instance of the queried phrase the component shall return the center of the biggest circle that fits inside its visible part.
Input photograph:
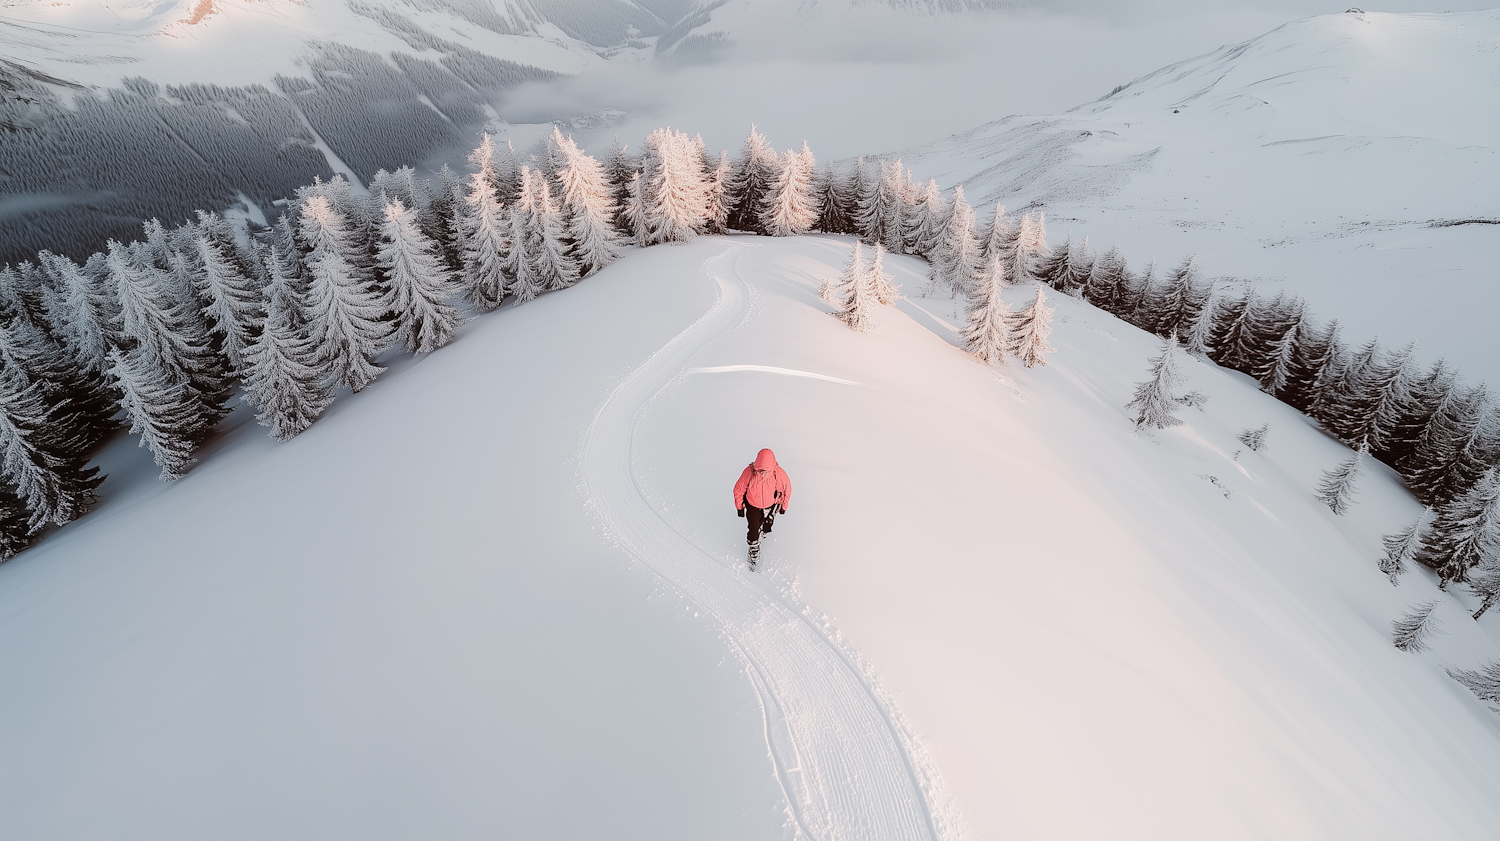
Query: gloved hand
(739, 512)
(783, 508)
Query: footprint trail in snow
(844, 764)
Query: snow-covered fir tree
(836, 291)
(1464, 531)
(621, 168)
(344, 309)
(1484, 682)
(790, 205)
(1176, 303)
(230, 299)
(755, 170)
(1033, 326)
(881, 211)
(1450, 452)
(1000, 237)
(1485, 582)
(716, 220)
(546, 244)
(1154, 401)
(87, 312)
(882, 283)
(956, 259)
(1337, 487)
(485, 234)
(1031, 245)
(160, 408)
(1402, 547)
(673, 195)
(150, 320)
(588, 209)
(836, 204)
(415, 193)
(1105, 287)
(55, 485)
(929, 218)
(860, 300)
(991, 325)
(1255, 438)
(1413, 632)
(283, 380)
(420, 285)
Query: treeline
(160, 333)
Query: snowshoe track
(843, 762)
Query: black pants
(758, 520)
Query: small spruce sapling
(1412, 632)
(1402, 547)
(1337, 487)
(1154, 401)
(1485, 582)
(1484, 683)
(1255, 439)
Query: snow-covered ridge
(1331, 157)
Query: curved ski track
(840, 756)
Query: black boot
(754, 554)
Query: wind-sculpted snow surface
(848, 768)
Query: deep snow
(1329, 157)
(441, 611)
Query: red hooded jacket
(763, 483)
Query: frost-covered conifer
(1412, 632)
(588, 209)
(673, 196)
(15, 534)
(1402, 547)
(1105, 287)
(1484, 683)
(420, 285)
(929, 217)
(1000, 237)
(956, 260)
(859, 302)
(1255, 438)
(880, 218)
(520, 264)
(1449, 453)
(836, 291)
(230, 300)
(621, 168)
(1154, 402)
(151, 321)
(1485, 582)
(754, 172)
(716, 220)
(415, 193)
(37, 457)
(1033, 326)
(836, 202)
(162, 410)
(881, 282)
(1031, 245)
(282, 379)
(1181, 298)
(1337, 487)
(546, 243)
(345, 311)
(1200, 339)
(444, 222)
(486, 236)
(991, 324)
(790, 205)
(1465, 531)
(87, 312)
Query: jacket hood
(765, 460)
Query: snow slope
(1351, 158)
(501, 592)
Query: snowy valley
(484, 577)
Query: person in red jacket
(763, 490)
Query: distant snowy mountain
(1351, 158)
